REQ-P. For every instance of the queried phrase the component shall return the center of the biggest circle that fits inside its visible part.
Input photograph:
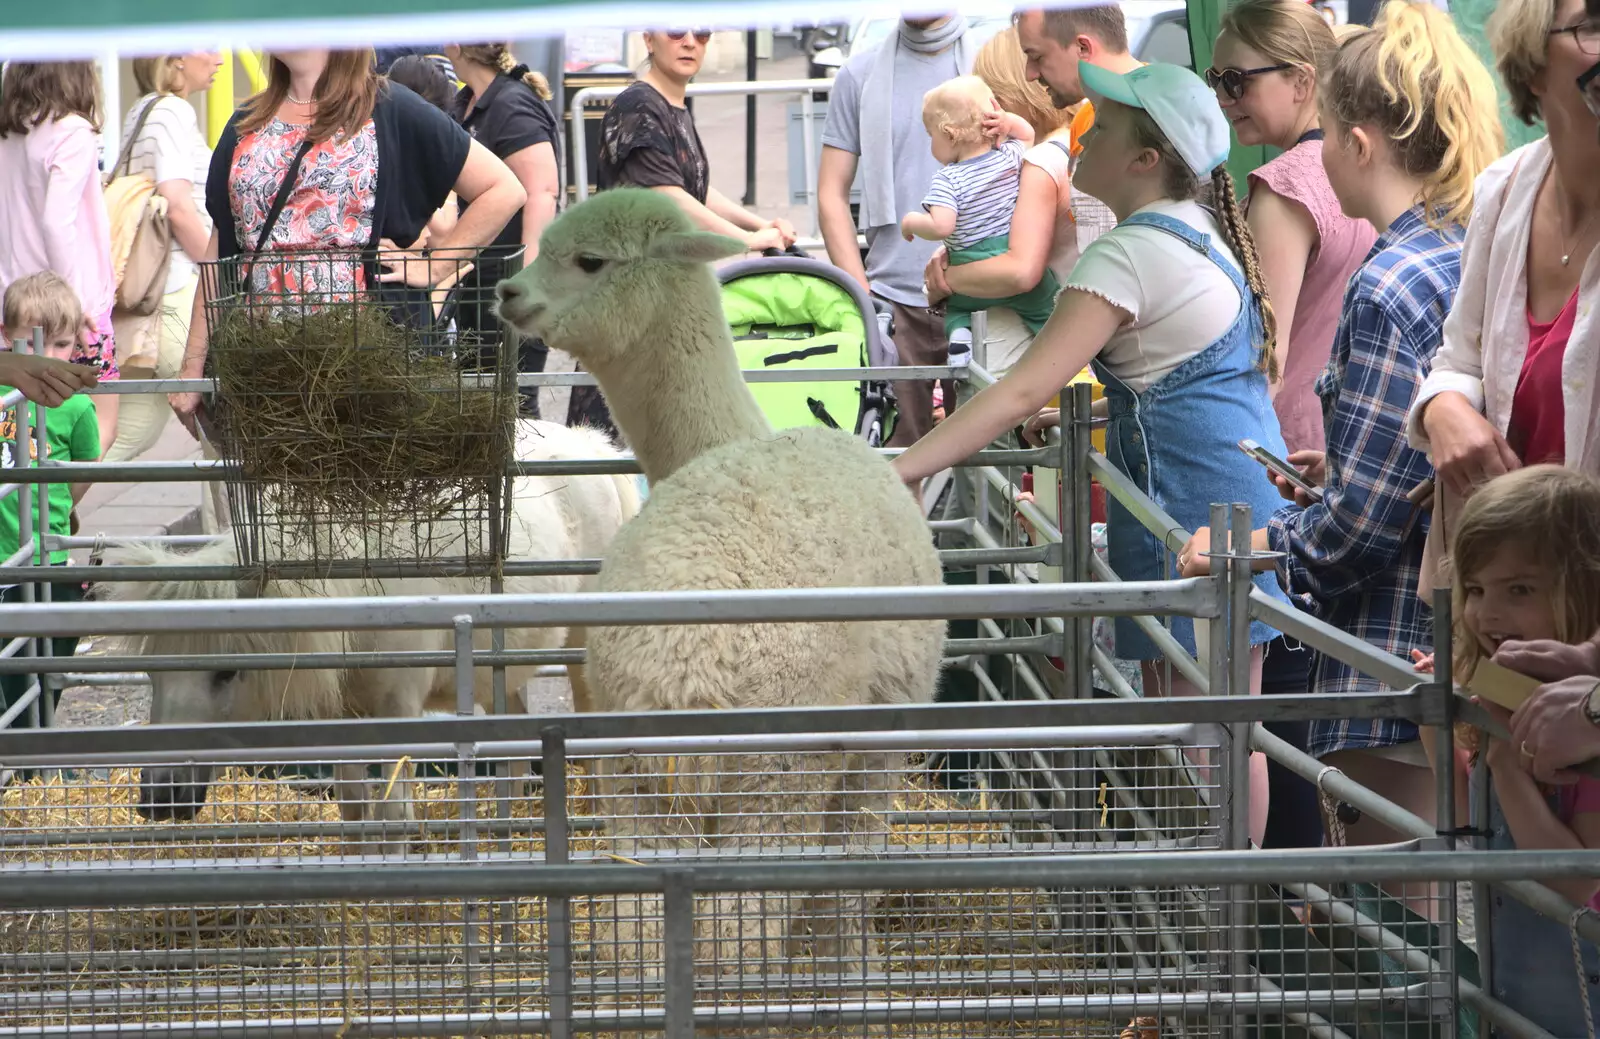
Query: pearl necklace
(297, 100)
(1566, 254)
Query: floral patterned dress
(330, 208)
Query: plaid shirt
(1358, 554)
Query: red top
(1537, 430)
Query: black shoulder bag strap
(290, 176)
(206, 417)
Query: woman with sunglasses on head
(1514, 381)
(1170, 309)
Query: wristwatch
(1591, 706)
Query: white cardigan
(1486, 334)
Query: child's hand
(905, 227)
(1422, 662)
(1022, 521)
(1036, 428)
(1500, 754)
(993, 123)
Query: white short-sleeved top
(171, 147)
(1180, 301)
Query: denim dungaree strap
(1530, 955)
(1178, 441)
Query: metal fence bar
(558, 907)
(30, 887)
(353, 570)
(145, 741)
(1189, 596)
(678, 938)
(1171, 649)
(830, 1014)
(204, 469)
(22, 462)
(1152, 736)
(100, 668)
(27, 702)
(907, 372)
(1359, 653)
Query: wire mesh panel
(697, 804)
(995, 960)
(369, 406)
(795, 960)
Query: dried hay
(348, 416)
(347, 960)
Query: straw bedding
(287, 960)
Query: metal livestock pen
(1042, 862)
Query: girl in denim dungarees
(1170, 310)
(1527, 563)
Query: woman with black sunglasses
(648, 140)
(1265, 75)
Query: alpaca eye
(590, 264)
(222, 678)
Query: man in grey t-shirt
(875, 125)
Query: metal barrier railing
(1062, 610)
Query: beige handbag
(1436, 570)
(141, 238)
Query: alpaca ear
(694, 247)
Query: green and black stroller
(790, 312)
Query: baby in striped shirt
(971, 199)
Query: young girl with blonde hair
(1410, 119)
(1527, 566)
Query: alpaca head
(607, 269)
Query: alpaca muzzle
(516, 306)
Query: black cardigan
(421, 152)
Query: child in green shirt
(70, 433)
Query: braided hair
(1180, 184)
(498, 56)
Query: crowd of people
(1402, 311)
(1391, 304)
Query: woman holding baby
(1052, 222)
(1170, 309)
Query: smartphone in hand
(1281, 468)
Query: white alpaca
(553, 517)
(622, 283)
